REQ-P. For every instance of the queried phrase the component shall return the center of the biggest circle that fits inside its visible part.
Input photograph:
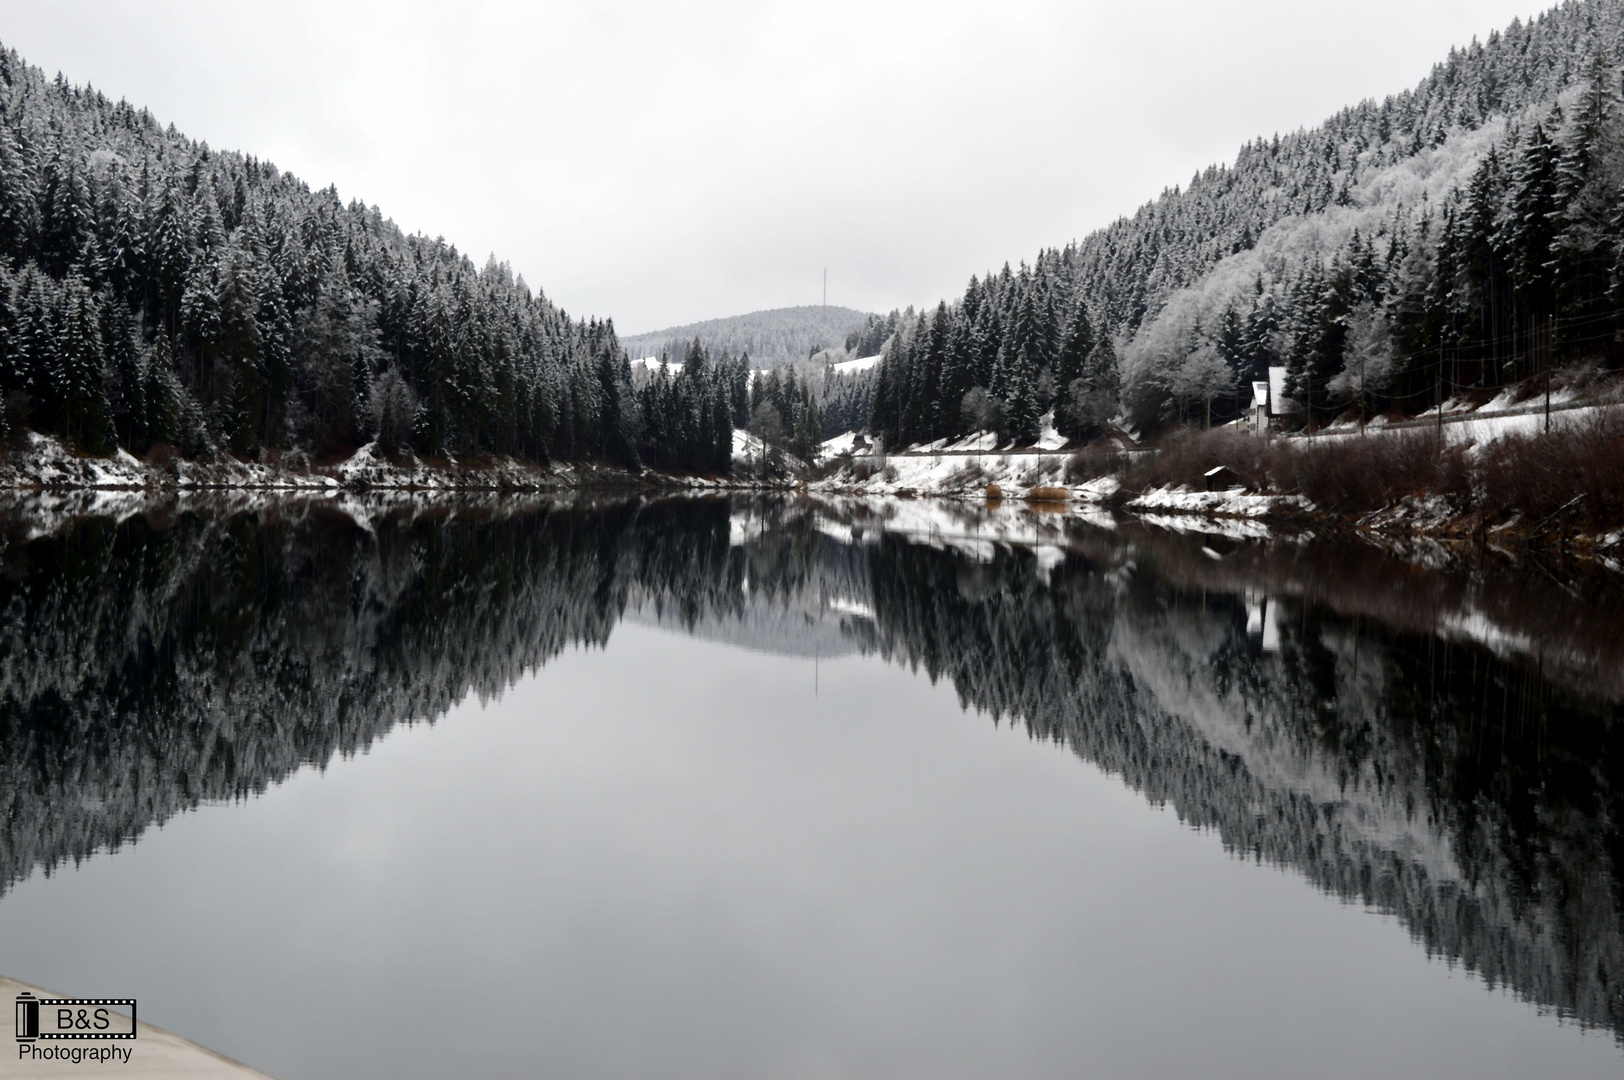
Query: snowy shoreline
(47, 466)
(58, 482)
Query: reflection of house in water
(1263, 624)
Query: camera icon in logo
(52, 1019)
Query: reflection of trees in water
(144, 669)
(1476, 802)
(151, 664)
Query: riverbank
(1506, 484)
(43, 464)
(1558, 490)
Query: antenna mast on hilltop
(825, 286)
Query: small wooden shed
(1223, 478)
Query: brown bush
(162, 455)
(1092, 462)
(967, 477)
(1534, 475)
(1353, 475)
(1348, 475)
(1185, 457)
(1538, 475)
(863, 468)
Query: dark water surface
(747, 790)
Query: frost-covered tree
(1200, 379)
(1367, 359)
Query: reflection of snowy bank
(48, 512)
(976, 530)
(1227, 504)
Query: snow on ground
(746, 447)
(985, 440)
(1098, 489)
(955, 474)
(749, 450)
(844, 443)
(1049, 438)
(1231, 504)
(1489, 428)
(861, 363)
(651, 364)
(1482, 426)
(970, 476)
(48, 464)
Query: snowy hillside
(776, 336)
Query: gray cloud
(662, 163)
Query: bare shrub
(833, 466)
(1343, 475)
(1538, 475)
(1092, 462)
(1185, 457)
(969, 476)
(1359, 475)
(1535, 475)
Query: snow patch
(861, 363)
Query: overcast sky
(664, 162)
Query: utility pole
(1550, 334)
(1440, 394)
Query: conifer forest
(1466, 233)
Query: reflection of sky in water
(669, 858)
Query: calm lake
(711, 789)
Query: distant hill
(770, 337)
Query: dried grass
(1538, 476)
(1532, 475)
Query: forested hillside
(768, 338)
(155, 291)
(1465, 233)
(689, 406)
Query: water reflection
(1433, 735)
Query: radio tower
(826, 288)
